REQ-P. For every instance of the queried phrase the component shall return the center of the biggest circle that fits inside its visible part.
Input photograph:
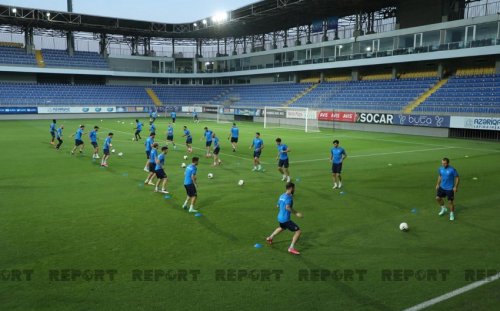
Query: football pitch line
(376, 154)
(454, 293)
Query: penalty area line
(454, 293)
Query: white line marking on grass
(454, 293)
(375, 154)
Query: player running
(152, 128)
(217, 160)
(59, 136)
(152, 165)
(258, 145)
(282, 158)
(190, 185)
(93, 141)
(285, 205)
(235, 133)
(160, 172)
(189, 139)
(208, 141)
(78, 139)
(105, 149)
(149, 145)
(170, 135)
(138, 129)
(152, 116)
(337, 157)
(53, 131)
(173, 115)
(447, 186)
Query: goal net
(291, 118)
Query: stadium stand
(61, 58)
(465, 94)
(15, 55)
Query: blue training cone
(197, 215)
(258, 245)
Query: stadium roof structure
(254, 19)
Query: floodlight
(195, 25)
(14, 10)
(204, 22)
(47, 14)
(368, 49)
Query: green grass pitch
(62, 212)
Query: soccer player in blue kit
(93, 141)
(235, 133)
(105, 149)
(285, 206)
(53, 131)
(208, 141)
(337, 157)
(189, 139)
(78, 139)
(258, 145)
(59, 136)
(217, 160)
(190, 185)
(170, 135)
(161, 176)
(282, 158)
(173, 115)
(153, 154)
(138, 129)
(149, 145)
(447, 186)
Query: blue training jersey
(161, 159)
(107, 143)
(190, 171)
(235, 132)
(79, 133)
(93, 136)
(281, 149)
(216, 142)
(139, 126)
(337, 154)
(149, 141)
(59, 133)
(187, 133)
(152, 155)
(284, 201)
(152, 128)
(208, 136)
(257, 143)
(447, 177)
(170, 131)
(52, 127)
(173, 114)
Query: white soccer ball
(241, 182)
(183, 165)
(113, 150)
(404, 226)
(133, 138)
(185, 157)
(210, 175)
(123, 122)
(120, 154)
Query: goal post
(297, 118)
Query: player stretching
(285, 205)
(235, 132)
(173, 115)
(93, 141)
(337, 157)
(190, 185)
(170, 135)
(160, 172)
(59, 136)
(189, 139)
(282, 158)
(78, 139)
(208, 141)
(53, 131)
(447, 186)
(105, 149)
(149, 145)
(258, 145)
(217, 160)
(152, 165)
(138, 129)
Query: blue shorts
(189, 140)
(217, 150)
(449, 194)
(283, 163)
(337, 168)
(94, 144)
(170, 137)
(137, 132)
(190, 190)
(208, 144)
(289, 225)
(152, 167)
(148, 153)
(234, 139)
(53, 134)
(256, 154)
(78, 142)
(106, 151)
